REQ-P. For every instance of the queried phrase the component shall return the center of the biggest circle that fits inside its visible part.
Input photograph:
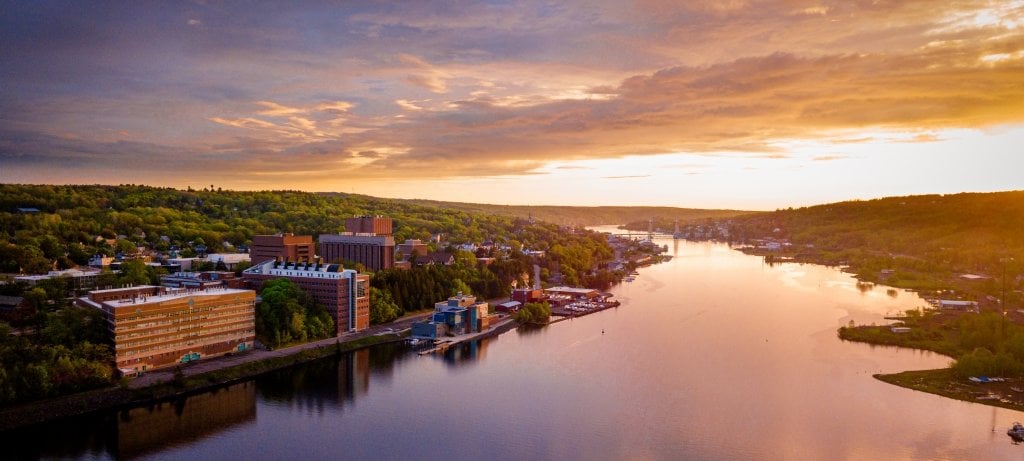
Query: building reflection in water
(467, 353)
(148, 429)
(319, 386)
(135, 432)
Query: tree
(535, 313)
(382, 306)
(134, 272)
(287, 314)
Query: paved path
(218, 363)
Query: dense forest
(922, 242)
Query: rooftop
(295, 269)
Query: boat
(1016, 432)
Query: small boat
(1016, 432)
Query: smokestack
(536, 277)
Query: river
(713, 355)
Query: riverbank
(1005, 394)
(200, 377)
(951, 334)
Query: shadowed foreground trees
(287, 314)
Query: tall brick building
(345, 293)
(378, 225)
(287, 247)
(376, 252)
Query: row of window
(241, 334)
(207, 326)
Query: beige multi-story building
(158, 327)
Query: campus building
(376, 252)
(345, 293)
(158, 327)
(286, 247)
(377, 225)
(458, 315)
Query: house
(14, 309)
(230, 260)
(438, 258)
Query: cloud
(829, 158)
(424, 75)
(627, 176)
(511, 89)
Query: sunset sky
(716, 104)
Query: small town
(198, 315)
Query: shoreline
(940, 381)
(127, 396)
(160, 386)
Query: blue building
(458, 315)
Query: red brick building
(377, 225)
(287, 247)
(345, 293)
(376, 252)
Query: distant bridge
(638, 234)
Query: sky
(737, 104)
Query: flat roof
(181, 293)
(581, 291)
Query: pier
(443, 344)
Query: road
(219, 363)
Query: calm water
(713, 355)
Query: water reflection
(709, 342)
(142, 431)
(132, 433)
(332, 383)
(149, 429)
(467, 353)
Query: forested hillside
(74, 222)
(927, 240)
(586, 216)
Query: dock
(443, 344)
